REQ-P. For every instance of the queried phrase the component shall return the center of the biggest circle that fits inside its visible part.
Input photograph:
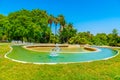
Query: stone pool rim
(89, 51)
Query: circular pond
(20, 54)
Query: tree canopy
(36, 26)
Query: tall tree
(67, 32)
(61, 21)
(2, 26)
(113, 37)
(50, 20)
(115, 32)
(56, 23)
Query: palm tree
(61, 21)
(50, 20)
(70, 25)
(56, 23)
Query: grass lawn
(98, 70)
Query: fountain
(55, 51)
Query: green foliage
(113, 38)
(100, 39)
(25, 25)
(36, 26)
(81, 38)
(67, 32)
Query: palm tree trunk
(55, 33)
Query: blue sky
(96, 16)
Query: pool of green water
(22, 55)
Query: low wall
(73, 46)
(90, 49)
(47, 45)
